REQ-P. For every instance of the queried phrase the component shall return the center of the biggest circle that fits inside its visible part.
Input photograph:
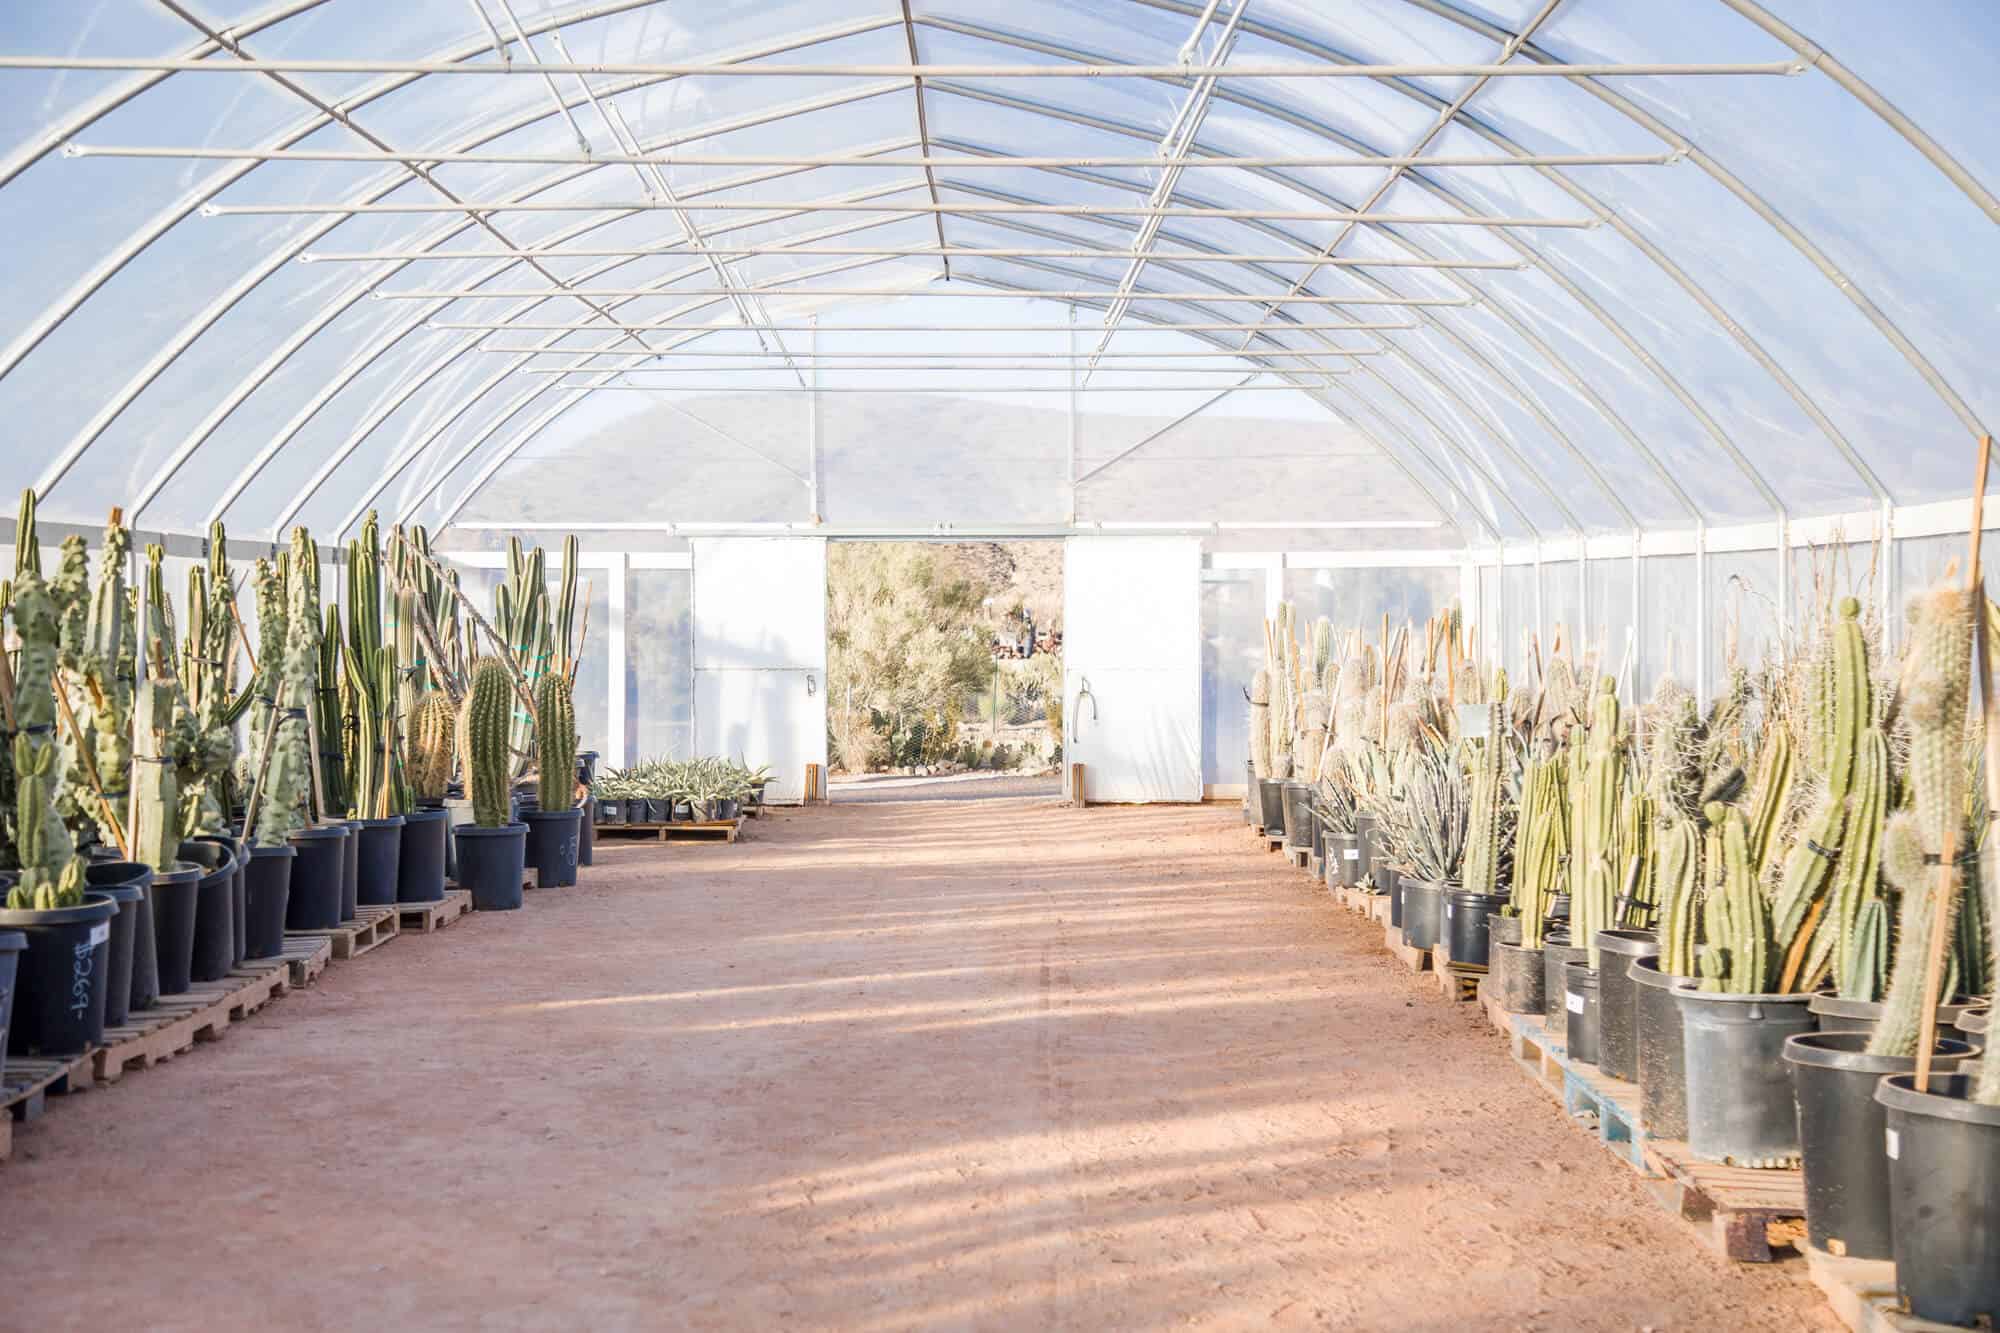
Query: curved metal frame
(217, 42)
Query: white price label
(1447, 909)
(100, 933)
(1350, 853)
(1575, 1002)
(1895, 1144)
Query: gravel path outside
(996, 1065)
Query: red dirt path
(883, 1067)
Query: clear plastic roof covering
(1480, 270)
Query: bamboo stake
(263, 765)
(312, 747)
(89, 762)
(1948, 854)
(242, 634)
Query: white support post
(813, 513)
(1701, 627)
(1638, 621)
(1888, 588)
(618, 661)
(1069, 451)
(1541, 624)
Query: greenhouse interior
(906, 664)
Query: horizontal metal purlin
(917, 252)
(1207, 161)
(959, 389)
(776, 70)
(968, 210)
(940, 289)
(598, 326)
(1060, 358)
(916, 367)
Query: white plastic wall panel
(760, 654)
(1132, 636)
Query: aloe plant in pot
(492, 849)
(554, 825)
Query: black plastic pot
(586, 767)
(145, 992)
(1739, 1098)
(1618, 1000)
(1580, 1012)
(586, 833)
(1249, 792)
(1944, 1198)
(214, 907)
(1423, 912)
(60, 978)
(1514, 977)
(1385, 877)
(267, 891)
(126, 883)
(491, 862)
(1841, 1136)
(1270, 806)
(1503, 929)
(1344, 866)
(175, 894)
(1298, 815)
(12, 944)
(680, 811)
(1396, 901)
(1559, 907)
(1972, 1027)
(420, 863)
(317, 876)
(658, 811)
(1838, 1015)
(239, 902)
(118, 973)
(1656, 1036)
(1464, 927)
(722, 811)
(457, 814)
(611, 810)
(381, 854)
(1557, 954)
(552, 846)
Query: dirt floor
(989, 1065)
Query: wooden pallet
(1863, 1293)
(371, 927)
(305, 957)
(1300, 857)
(1457, 982)
(200, 1013)
(1417, 960)
(1274, 841)
(700, 830)
(424, 918)
(25, 1085)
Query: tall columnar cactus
(1482, 842)
(1857, 919)
(288, 782)
(521, 610)
(1541, 846)
(107, 682)
(1737, 957)
(208, 662)
(1915, 840)
(51, 871)
(372, 677)
(565, 616)
(555, 742)
(1677, 871)
(1594, 887)
(328, 715)
(483, 723)
(1773, 793)
(156, 784)
(27, 538)
(1260, 723)
(1312, 736)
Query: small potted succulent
(554, 824)
(492, 849)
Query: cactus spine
(483, 723)
(428, 748)
(555, 742)
(1914, 839)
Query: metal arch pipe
(1322, 130)
(1752, 200)
(415, 324)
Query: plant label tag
(1447, 909)
(1895, 1144)
(1574, 1003)
(1350, 853)
(100, 933)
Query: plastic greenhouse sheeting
(1540, 268)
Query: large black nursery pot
(1514, 974)
(1396, 879)
(126, 882)
(1838, 1015)
(1580, 1011)
(1739, 1099)
(611, 810)
(214, 907)
(491, 862)
(381, 855)
(1972, 1026)
(1298, 815)
(350, 870)
(1249, 792)
(12, 944)
(1656, 1038)
(267, 894)
(1841, 1129)
(1944, 1198)
(420, 864)
(61, 977)
(1345, 867)
(1464, 927)
(1423, 912)
(1557, 953)
(176, 893)
(1271, 806)
(1618, 1000)
(103, 872)
(586, 832)
(316, 882)
(552, 846)
(457, 814)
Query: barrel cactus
(483, 721)
(555, 742)
(427, 747)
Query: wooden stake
(89, 762)
(1941, 931)
(263, 764)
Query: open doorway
(944, 669)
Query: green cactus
(1677, 871)
(1859, 917)
(1595, 885)
(156, 787)
(427, 747)
(51, 871)
(1482, 844)
(1916, 840)
(328, 715)
(1541, 846)
(288, 781)
(1737, 955)
(565, 617)
(1774, 791)
(555, 742)
(1260, 723)
(484, 720)
(372, 676)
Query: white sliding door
(1132, 666)
(760, 655)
